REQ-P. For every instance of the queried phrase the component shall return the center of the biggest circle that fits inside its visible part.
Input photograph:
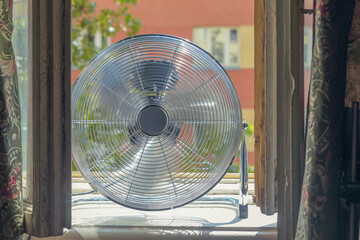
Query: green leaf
(108, 22)
(250, 130)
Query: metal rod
(201, 201)
(355, 117)
(243, 204)
(136, 169)
(167, 166)
(171, 68)
(204, 84)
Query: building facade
(223, 28)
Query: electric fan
(156, 122)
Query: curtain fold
(11, 210)
(318, 212)
(353, 62)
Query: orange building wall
(179, 17)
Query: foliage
(249, 131)
(87, 20)
(235, 168)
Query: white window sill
(105, 220)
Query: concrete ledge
(103, 233)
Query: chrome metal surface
(120, 156)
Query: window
(221, 42)
(95, 43)
(100, 41)
(20, 44)
(307, 46)
(50, 71)
(95, 40)
(233, 35)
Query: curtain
(353, 61)
(318, 212)
(11, 212)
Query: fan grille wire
(198, 143)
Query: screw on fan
(156, 78)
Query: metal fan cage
(156, 122)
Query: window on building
(233, 35)
(222, 42)
(94, 42)
(99, 41)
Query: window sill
(105, 220)
(159, 234)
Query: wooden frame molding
(279, 113)
(259, 89)
(290, 114)
(51, 119)
(265, 106)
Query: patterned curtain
(318, 213)
(11, 212)
(353, 61)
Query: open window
(278, 112)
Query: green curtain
(318, 212)
(11, 211)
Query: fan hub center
(153, 120)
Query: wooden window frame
(279, 113)
(278, 121)
(49, 211)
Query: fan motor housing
(153, 120)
